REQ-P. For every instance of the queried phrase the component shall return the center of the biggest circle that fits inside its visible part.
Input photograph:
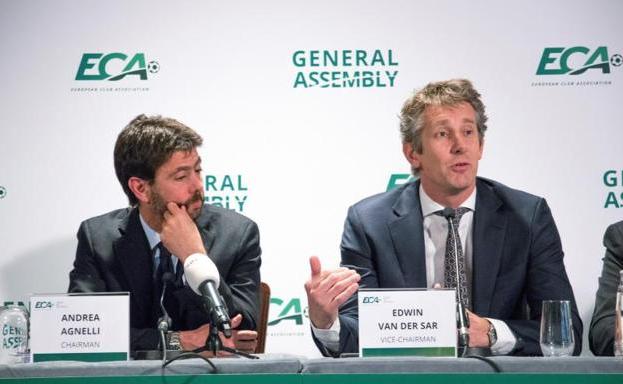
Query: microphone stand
(213, 341)
(164, 323)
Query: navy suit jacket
(113, 255)
(517, 257)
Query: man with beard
(129, 249)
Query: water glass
(556, 337)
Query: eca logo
(114, 66)
(398, 179)
(290, 310)
(371, 300)
(43, 304)
(576, 60)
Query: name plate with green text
(80, 327)
(407, 322)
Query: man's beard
(159, 206)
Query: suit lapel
(408, 236)
(132, 251)
(488, 242)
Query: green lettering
(547, 58)
(298, 59)
(240, 186)
(87, 63)
(611, 200)
(390, 58)
(610, 178)
(377, 58)
(106, 59)
(300, 80)
(395, 178)
(211, 183)
(227, 184)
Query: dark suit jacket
(113, 255)
(601, 333)
(517, 257)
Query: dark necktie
(165, 265)
(454, 258)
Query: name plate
(412, 322)
(80, 327)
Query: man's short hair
(145, 144)
(442, 93)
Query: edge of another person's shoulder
(613, 236)
(615, 227)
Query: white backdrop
(303, 155)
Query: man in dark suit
(510, 254)
(157, 164)
(601, 334)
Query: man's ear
(140, 188)
(411, 155)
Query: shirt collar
(429, 206)
(153, 237)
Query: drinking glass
(556, 328)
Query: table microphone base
(474, 351)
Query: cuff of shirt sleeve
(506, 339)
(329, 338)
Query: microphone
(203, 277)
(462, 318)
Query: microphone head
(448, 213)
(198, 269)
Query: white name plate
(410, 322)
(81, 327)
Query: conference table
(279, 368)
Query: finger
(167, 215)
(345, 295)
(314, 263)
(172, 207)
(236, 321)
(343, 285)
(246, 335)
(335, 277)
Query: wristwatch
(173, 341)
(493, 335)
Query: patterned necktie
(452, 263)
